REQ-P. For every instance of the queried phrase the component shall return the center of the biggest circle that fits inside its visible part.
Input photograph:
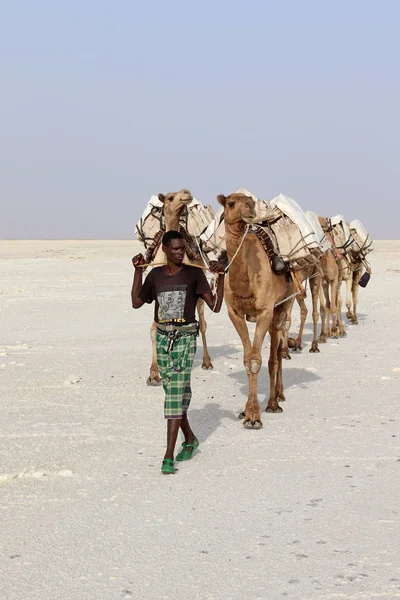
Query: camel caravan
(272, 252)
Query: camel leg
(323, 302)
(354, 291)
(252, 362)
(325, 287)
(275, 363)
(342, 332)
(315, 287)
(285, 341)
(207, 364)
(280, 396)
(334, 293)
(154, 377)
(349, 285)
(297, 343)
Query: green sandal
(187, 450)
(167, 466)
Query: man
(175, 288)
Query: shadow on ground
(292, 376)
(309, 327)
(226, 351)
(208, 419)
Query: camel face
(339, 237)
(238, 207)
(324, 222)
(175, 202)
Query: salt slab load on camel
(312, 217)
(297, 241)
(338, 223)
(362, 240)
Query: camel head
(337, 233)
(237, 207)
(325, 224)
(175, 202)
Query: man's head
(173, 245)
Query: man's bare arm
(214, 301)
(137, 284)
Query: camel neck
(173, 218)
(234, 236)
(172, 223)
(235, 233)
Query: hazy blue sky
(104, 103)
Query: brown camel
(324, 283)
(329, 293)
(352, 273)
(351, 268)
(175, 203)
(252, 288)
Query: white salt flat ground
(307, 508)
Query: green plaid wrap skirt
(175, 360)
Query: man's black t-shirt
(175, 295)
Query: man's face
(175, 251)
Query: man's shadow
(208, 419)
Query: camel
(175, 203)
(356, 264)
(351, 268)
(253, 289)
(324, 284)
(329, 296)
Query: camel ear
(161, 197)
(221, 199)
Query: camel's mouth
(249, 217)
